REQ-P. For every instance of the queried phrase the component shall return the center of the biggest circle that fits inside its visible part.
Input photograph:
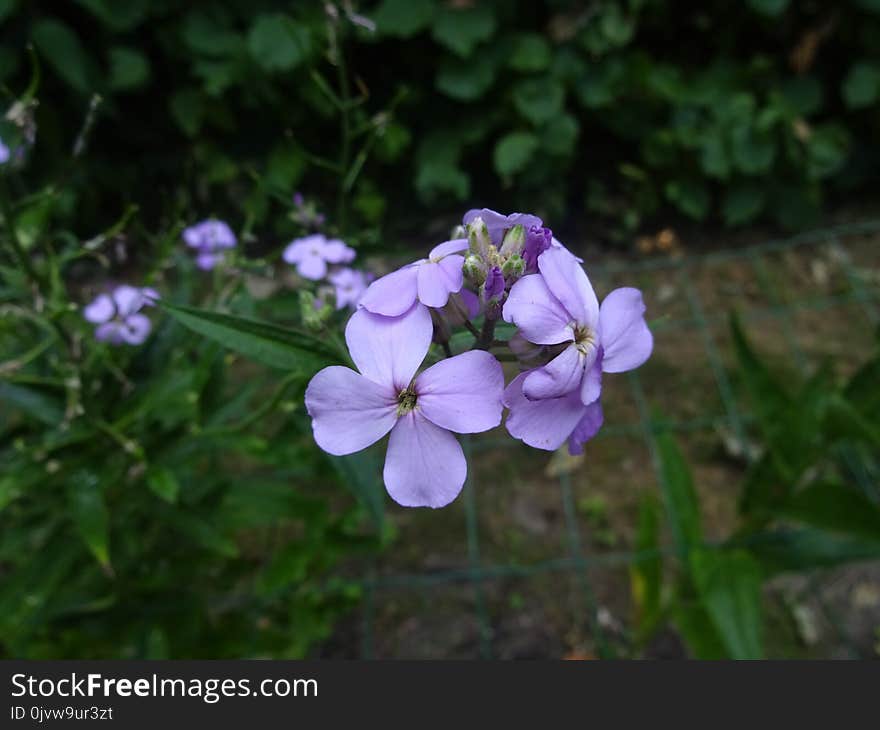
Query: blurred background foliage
(611, 112)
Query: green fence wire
(699, 321)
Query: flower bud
(514, 267)
(494, 285)
(478, 238)
(315, 311)
(514, 241)
(458, 232)
(474, 270)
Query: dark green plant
(809, 500)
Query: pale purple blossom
(4, 153)
(210, 238)
(429, 281)
(559, 306)
(118, 315)
(311, 255)
(350, 285)
(538, 240)
(424, 464)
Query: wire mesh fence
(785, 304)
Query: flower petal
(349, 412)
(389, 350)
(570, 285)
(394, 293)
(424, 466)
(587, 427)
(100, 310)
(542, 424)
(312, 266)
(462, 393)
(299, 247)
(128, 300)
(135, 329)
(561, 375)
(207, 261)
(456, 245)
(540, 316)
(591, 385)
(497, 223)
(437, 280)
(336, 252)
(109, 332)
(626, 339)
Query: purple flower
(4, 153)
(210, 238)
(494, 286)
(559, 306)
(497, 223)
(424, 465)
(118, 315)
(429, 280)
(547, 423)
(311, 255)
(350, 286)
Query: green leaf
(277, 43)
(771, 8)
(163, 483)
(698, 630)
(118, 16)
(646, 573)
(360, 474)
(804, 94)
(862, 391)
(785, 550)
(559, 135)
(837, 508)
(278, 347)
(539, 100)
(187, 109)
(861, 87)
(403, 18)
(682, 507)
(85, 501)
(690, 196)
(63, 51)
(729, 585)
(466, 81)
(129, 69)
(33, 402)
(462, 29)
(827, 150)
(531, 52)
(513, 152)
(753, 151)
(742, 203)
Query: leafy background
(612, 113)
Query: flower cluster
(494, 267)
(118, 315)
(211, 239)
(318, 258)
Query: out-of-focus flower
(429, 281)
(4, 153)
(118, 315)
(305, 213)
(559, 306)
(210, 238)
(424, 465)
(311, 255)
(350, 285)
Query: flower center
(584, 338)
(406, 401)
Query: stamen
(406, 401)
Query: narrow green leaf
(682, 507)
(783, 550)
(163, 483)
(729, 584)
(835, 507)
(33, 402)
(85, 499)
(278, 347)
(646, 574)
